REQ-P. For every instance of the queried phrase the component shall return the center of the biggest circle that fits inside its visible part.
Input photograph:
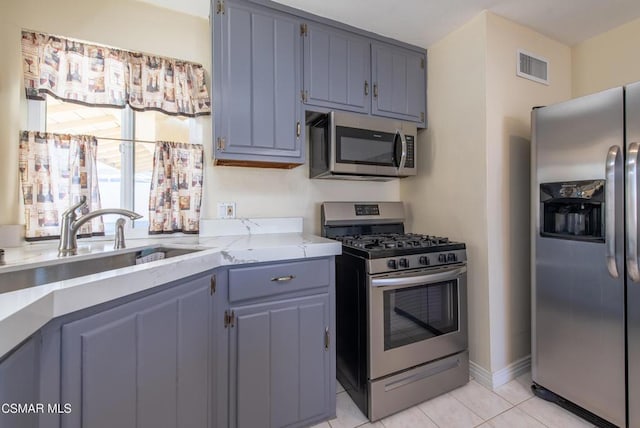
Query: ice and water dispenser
(573, 210)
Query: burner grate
(393, 240)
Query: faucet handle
(72, 209)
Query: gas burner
(395, 244)
(394, 240)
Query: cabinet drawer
(260, 281)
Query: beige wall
(448, 197)
(473, 183)
(133, 25)
(608, 60)
(509, 102)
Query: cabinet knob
(375, 90)
(366, 87)
(280, 279)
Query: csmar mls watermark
(28, 408)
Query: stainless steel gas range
(401, 308)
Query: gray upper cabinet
(337, 68)
(399, 83)
(271, 63)
(257, 86)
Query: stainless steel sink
(68, 268)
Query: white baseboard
(493, 380)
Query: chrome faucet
(118, 243)
(71, 224)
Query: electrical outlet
(226, 210)
(231, 210)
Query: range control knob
(404, 263)
(451, 257)
(392, 264)
(442, 258)
(424, 260)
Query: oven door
(416, 317)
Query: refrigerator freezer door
(633, 288)
(578, 314)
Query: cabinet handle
(298, 129)
(375, 90)
(326, 338)
(280, 279)
(366, 87)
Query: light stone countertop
(25, 311)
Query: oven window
(417, 313)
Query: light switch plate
(226, 210)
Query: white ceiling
(423, 22)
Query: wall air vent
(532, 67)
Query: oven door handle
(440, 275)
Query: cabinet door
(142, 364)
(399, 79)
(19, 385)
(337, 69)
(279, 366)
(257, 85)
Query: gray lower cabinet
(275, 324)
(19, 374)
(257, 85)
(245, 346)
(279, 360)
(141, 364)
(399, 83)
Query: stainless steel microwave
(357, 147)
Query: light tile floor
(510, 406)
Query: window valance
(76, 71)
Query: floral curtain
(55, 171)
(176, 188)
(97, 75)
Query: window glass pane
(142, 177)
(152, 126)
(109, 179)
(70, 118)
(107, 123)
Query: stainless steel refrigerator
(585, 278)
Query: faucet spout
(71, 223)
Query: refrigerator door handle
(613, 177)
(632, 211)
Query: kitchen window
(126, 143)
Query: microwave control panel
(410, 162)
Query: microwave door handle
(613, 177)
(403, 156)
(632, 212)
